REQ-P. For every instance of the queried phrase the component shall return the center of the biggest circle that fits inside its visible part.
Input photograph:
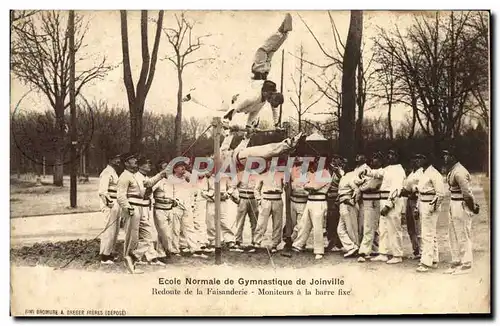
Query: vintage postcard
(249, 163)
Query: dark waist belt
(370, 195)
(317, 197)
(138, 204)
(247, 197)
(163, 208)
(164, 204)
(271, 195)
(136, 200)
(299, 198)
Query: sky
(235, 36)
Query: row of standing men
(361, 210)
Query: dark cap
(393, 152)
(269, 86)
(360, 158)
(450, 150)
(180, 163)
(112, 156)
(128, 156)
(143, 160)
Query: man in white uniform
(260, 91)
(108, 180)
(391, 234)
(462, 208)
(132, 200)
(413, 220)
(430, 188)
(313, 218)
(183, 215)
(348, 229)
(263, 57)
(208, 192)
(268, 193)
(370, 204)
(146, 231)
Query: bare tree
(184, 44)
(302, 103)
(330, 84)
(41, 60)
(137, 97)
(364, 81)
(437, 59)
(386, 84)
(352, 55)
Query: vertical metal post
(288, 192)
(71, 35)
(43, 167)
(217, 130)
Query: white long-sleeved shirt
(459, 181)
(393, 177)
(182, 190)
(129, 190)
(108, 181)
(430, 186)
(250, 101)
(411, 181)
(347, 187)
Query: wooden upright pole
(71, 35)
(281, 86)
(217, 130)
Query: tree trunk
(351, 59)
(413, 122)
(136, 129)
(59, 155)
(358, 133)
(389, 121)
(300, 122)
(178, 117)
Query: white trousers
(274, 209)
(428, 219)
(246, 206)
(371, 217)
(264, 54)
(139, 234)
(348, 227)
(459, 232)
(227, 233)
(112, 228)
(391, 232)
(184, 234)
(164, 227)
(313, 219)
(296, 213)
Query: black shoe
(251, 249)
(107, 260)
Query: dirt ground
(375, 287)
(27, 199)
